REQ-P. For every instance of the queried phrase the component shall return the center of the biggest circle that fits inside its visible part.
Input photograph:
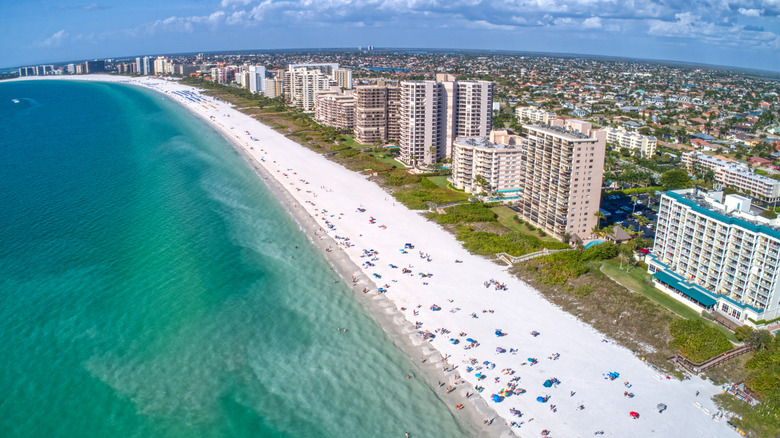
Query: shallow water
(151, 286)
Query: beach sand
(451, 301)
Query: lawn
(387, 158)
(638, 280)
(440, 181)
(506, 217)
(350, 141)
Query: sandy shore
(459, 307)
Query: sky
(741, 33)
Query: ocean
(151, 286)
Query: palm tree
(634, 199)
(599, 215)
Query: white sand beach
(360, 216)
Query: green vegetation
(675, 179)
(466, 213)
(508, 218)
(697, 340)
(513, 243)
(560, 267)
(638, 280)
(769, 214)
(762, 420)
(415, 198)
(440, 181)
(634, 191)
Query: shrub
(602, 251)
(476, 212)
(697, 340)
(743, 332)
(561, 266)
(516, 244)
(400, 177)
(583, 290)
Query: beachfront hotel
(488, 164)
(644, 145)
(561, 177)
(735, 175)
(335, 109)
(534, 115)
(712, 253)
(434, 113)
(377, 113)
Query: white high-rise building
(712, 253)
(302, 84)
(257, 79)
(435, 113)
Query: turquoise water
(150, 286)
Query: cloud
(592, 23)
(56, 39)
(750, 12)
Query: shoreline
(473, 308)
(381, 310)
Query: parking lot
(623, 211)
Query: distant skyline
(740, 33)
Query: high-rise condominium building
(335, 109)
(94, 66)
(435, 113)
(561, 177)
(490, 165)
(643, 145)
(377, 113)
(147, 66)
(714, 254)
(256, 79)
(422, 118)
(343, 78)
(303, 82)
(274, 88)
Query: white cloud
(234, 3)
(592, 23)
(750, 12)
(56, 39)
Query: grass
(350, 142)
(638, 280)
(387, 158)
(506, 217)
(440, 181)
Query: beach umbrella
(661, 407)
(435, 308)
(547, 383)
(471, 340)
(634, 414)
(491, 366)
(497, 398)
(541, 399)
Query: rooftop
(704, 203)
(561, 132)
